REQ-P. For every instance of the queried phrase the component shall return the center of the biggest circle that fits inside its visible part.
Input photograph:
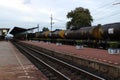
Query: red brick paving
(13, 72)
(15, 66)
(88, 53)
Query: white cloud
(15, 4)
(28, 19)
(38, 11)
(46, 11)
(27, 1)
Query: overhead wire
(107, 6)
(104, 6)
(111, 15)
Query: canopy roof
(17, 30)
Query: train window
(111, 31)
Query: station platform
(15, 66)
(99, 55)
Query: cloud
(27, 1)
(14, 4)
(28, 19)
(23, 12)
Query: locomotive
(92, 36)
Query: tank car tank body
(111, 32)
(91, 35)
(84, 33)
(58, 34)
(44, 34)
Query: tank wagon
(58, 34)
(25, 36)
(93, 36)
(96, 36)
(111, 32)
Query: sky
(29, 13)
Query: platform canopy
(17, 30)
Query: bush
(79, 42)
(59, 40)
(113, 44)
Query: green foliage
(34, 38)
(113, 44)
(45, 29)
(79, 42)
(80, 17)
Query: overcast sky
(29, 13)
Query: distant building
(3, 33)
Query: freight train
(91, 36)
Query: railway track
(54, 68)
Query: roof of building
(17, 30)
(4, 28)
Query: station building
(3, 33)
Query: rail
(69, 66)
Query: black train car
(20, 36)
(25, 36)
(84, 33)
(70, 34)
(30, 35)
(111, 32)
(96, 35)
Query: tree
(80, 17)
(45, 29)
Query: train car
(25, 36)
(44, 34)
(111, 32)
(92, 35)
(37, 34)
(97, 36)
(30, 36)
(20, 36)
(97, 32)
(58, 34)
(104, 35)
(70, 34)
(83, 33)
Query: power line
(59, 20)
(108, 16)
(51, 21)
(101, 8)
(111, 15)
(105, 5)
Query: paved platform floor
(88, 53)
(15, 66)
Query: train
(99, 36)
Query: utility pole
(38, 27)
(51, 22)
